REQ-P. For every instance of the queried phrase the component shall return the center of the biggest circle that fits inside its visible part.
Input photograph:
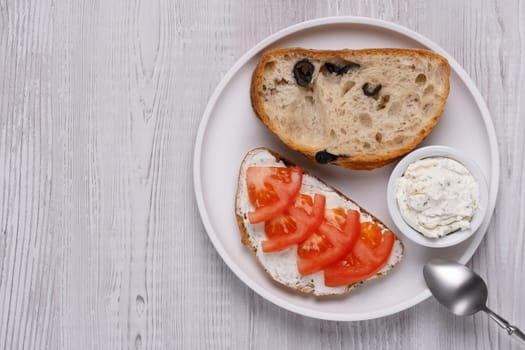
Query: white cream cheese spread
(437, 196)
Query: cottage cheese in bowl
(437, 196)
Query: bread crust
(245, 238)
(358, 162)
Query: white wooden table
(101, 243)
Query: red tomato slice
(329, 245)
(369, 254)
(371, 233)
(272, 190)
(306, 202)
(336, 217)
(303, 226)
(284, 224)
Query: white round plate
(229, 129)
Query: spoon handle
(511, 330)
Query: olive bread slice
(360, 109)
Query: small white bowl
(450, 239)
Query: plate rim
(310, 24)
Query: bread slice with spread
(283, 265)
(359, 109)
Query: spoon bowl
(462, 291)
(455, 286)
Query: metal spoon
(462, 291)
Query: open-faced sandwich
(305, 234)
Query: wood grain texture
(101, 243)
